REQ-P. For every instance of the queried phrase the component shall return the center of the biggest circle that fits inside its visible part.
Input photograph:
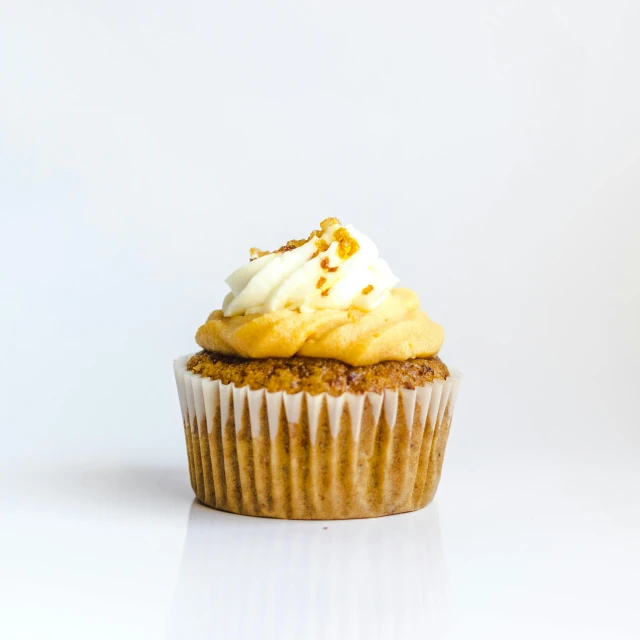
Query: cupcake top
(329, 296)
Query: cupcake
(318, 392)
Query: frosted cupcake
(318, 393)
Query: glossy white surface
(538, 549)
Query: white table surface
(538, 549)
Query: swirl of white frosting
(309, 278)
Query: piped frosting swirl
(395, 330)
(336, 268)
(329, 296)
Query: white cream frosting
(296, 279)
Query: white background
(491, 149)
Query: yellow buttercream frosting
(395, 330)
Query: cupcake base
(299, 456)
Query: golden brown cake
(316, 375)
(318, 393)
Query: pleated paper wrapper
(314, 457)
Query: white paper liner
(210, 404)
(200, 397)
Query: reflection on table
(245, 577)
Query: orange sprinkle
(321, 282)
(322, 245)
(347, 244)
(367, 289)
(324, 263)
(255, 253)
(325, 293)
(328, 222)
(347, 247)
(291, 245)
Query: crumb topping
(328, 222)
(324, 264)
(291, 245)
(347, 244)
(322, 245)
(255, 253)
